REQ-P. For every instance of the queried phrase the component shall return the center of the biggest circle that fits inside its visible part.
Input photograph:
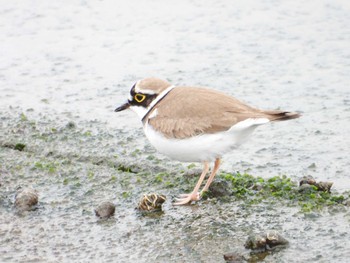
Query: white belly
(206, 147)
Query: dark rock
(105, 210)
(26, 198)
(151, 202)
(71, 125)
(220, 188)
(234, 257)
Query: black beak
(123, 107)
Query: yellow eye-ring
(140, 97)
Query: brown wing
(190, 111)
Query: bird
(195, 124)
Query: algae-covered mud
(74, 167)
(64, 68)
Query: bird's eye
(139, 97)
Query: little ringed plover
(195, 124)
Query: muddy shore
(65, 66)
(74, 167)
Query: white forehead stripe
(144, 91)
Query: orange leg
(212, 175)
(194, 196)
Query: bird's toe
(187, 198)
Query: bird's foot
(187, 198)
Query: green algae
(253, 190)
(19, 146)
(280, 188)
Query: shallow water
(75, 61)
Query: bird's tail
(276, 115)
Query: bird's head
(142, 94)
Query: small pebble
(321, 186)
(273, 239)
(307, 180)
(105, 210)
(26, 198)
(265, 241)
(324, 186)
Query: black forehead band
(133, 89)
